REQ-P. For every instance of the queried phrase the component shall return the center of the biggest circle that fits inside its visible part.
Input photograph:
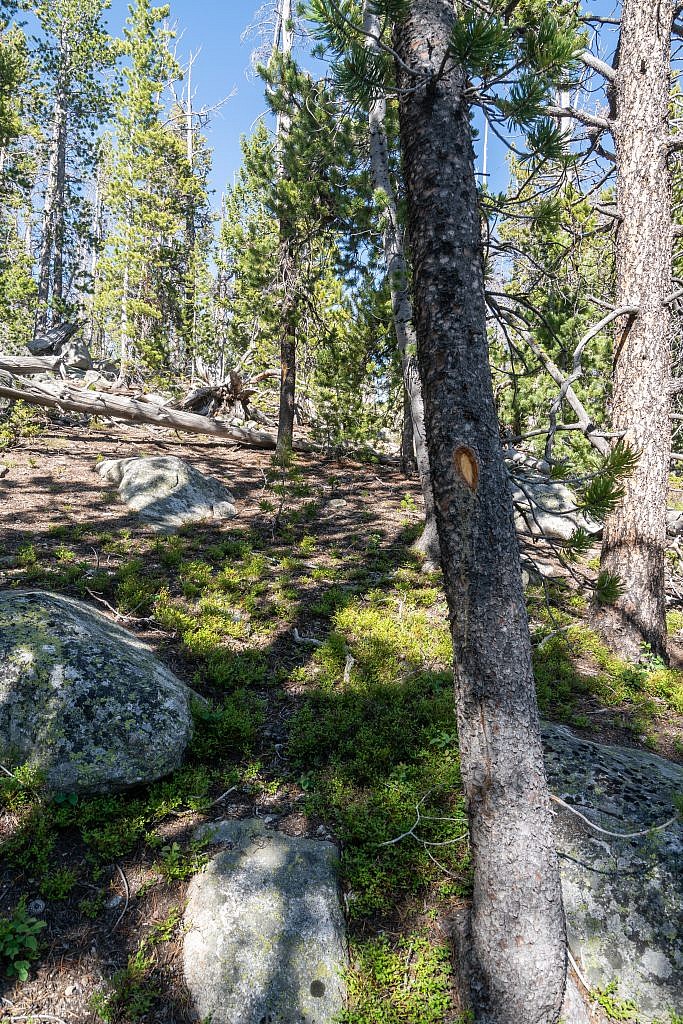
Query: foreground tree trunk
(517, 922)
(634, 542)
(284, 41)
(397, 272)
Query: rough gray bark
(284, 41)
(517, 920)
(397, 272)
(634, 543)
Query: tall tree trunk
(517, 923)
(397, 271)
(190, 237)
(97, 230)
(284, 42)
(53, 219)
(408, 461)
(124, 329)
(634, 541)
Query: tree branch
(592, 120)
(591, 61)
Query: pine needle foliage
(511, 62)
(604, 490)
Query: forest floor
(341, 738)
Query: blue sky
(215, 27)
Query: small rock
(35, 907)
(337, 503)
(113, 902)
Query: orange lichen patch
(467, 467)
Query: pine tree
(71, 56)
(151, 190)
(444, 61)
(17, 170)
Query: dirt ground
(52, 484)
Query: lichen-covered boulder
(547, 508)
(622, 897)
(168, 493)
(83, 700)
(265, 936)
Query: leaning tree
(445, 60)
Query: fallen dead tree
(234, 392)
(27, 366)
(61, 395)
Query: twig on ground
(425, 817)
(606, 832)
(31, 1016)
(218, 800)
(126, 887)
(306, 639)
(578, 973)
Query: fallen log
(26, 366)
(96, 403)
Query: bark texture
(401, 303)
(284, 41)
(634, 542)
(517, 920)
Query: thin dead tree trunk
(634, 543)
(397, 272)
(50, 262)
(95, 246)
(284, 41)
(517, 947)
(408, 462)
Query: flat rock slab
(167, 492)
(265, 940)
(83, 700)
(623, 897)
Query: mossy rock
(84, 701)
